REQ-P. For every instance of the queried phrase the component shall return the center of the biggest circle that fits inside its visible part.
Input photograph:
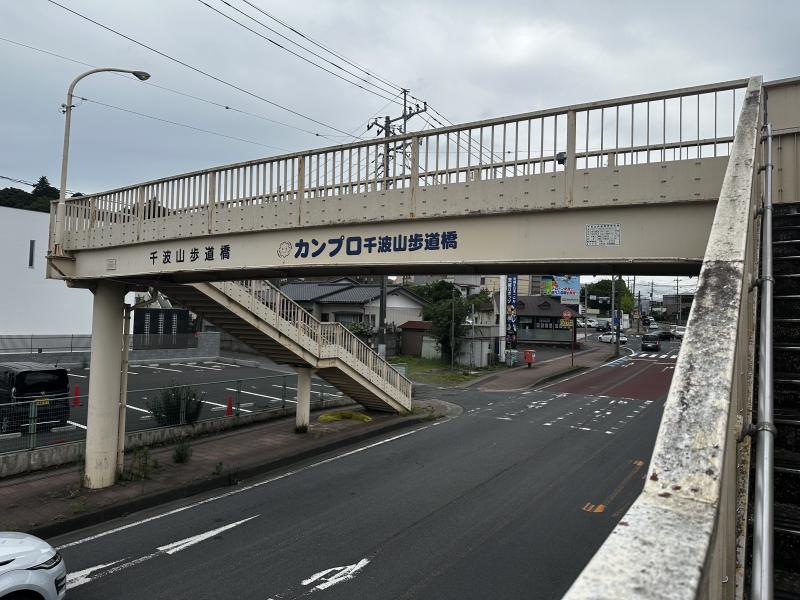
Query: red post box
(530, 357)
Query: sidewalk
(520, 378)
(49, 503)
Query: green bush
(170, 402)
(140, 467)
(182, 452)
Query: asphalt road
(259, 389)
(508, 500)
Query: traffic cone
(76, 400)
(229, 408)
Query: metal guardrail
(678, 124)
(683, 536)
(322, 340)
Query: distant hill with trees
(37, 199)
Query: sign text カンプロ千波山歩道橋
(356, 245)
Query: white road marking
(85, 576)
(132, 373)
(288, 387)
(663, 356)
(260, 395)
(503, 419)
(252, 486)
(225, 405)
(194, 366)
(341, 574)
(77, 424)
(196, 539)
(211, 362)
(76, 375)
(132, 407)
(162, 368)
(80, 577)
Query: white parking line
(132, 407)
(260, 395)
(195, 366)
(161, 368)
(211, 362)
(224, 405)
(81, 376)
(312, 391)
(77, 424)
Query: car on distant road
(651, 342)
(612, 337)
(678, 332)
(30, 568)
(663, 335)
(591, 322)
(603, 326)
(653, 325)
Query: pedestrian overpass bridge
(669, 182)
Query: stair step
(786, 358)
(786, 265)
(787, 537)
(785, 248)
(786, 306)
(785, 208)
(787, 285)
(792, 232)
(787, 585)
(786, 331)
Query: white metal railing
(683, 537)
(687, 123)
(323, 340)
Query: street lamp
(61, 209)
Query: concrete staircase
(259, 314)
(786, 352)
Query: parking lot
(224, 388)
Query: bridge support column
(103, 407)
(303, 413)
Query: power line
(325, 48)
(311, 62)
(28, 183)
(197, 70)
(178, 92)
(146, 116)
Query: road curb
(199, 487)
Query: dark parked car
(603, 326)
(21, 383)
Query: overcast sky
(468, 59)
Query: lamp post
(61, 209)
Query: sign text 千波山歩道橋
(190, 255)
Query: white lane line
(211, 362)
(85, 576)
(77, 424)
(252, 486)
(132, 373)
(223, 405)
(76, 375)
(195, 366)
(294, 388)
(260, 395)
(161, 368)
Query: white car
(591, 322)
(678, 332)
(30, 568)
(653, 325)
(612, 337)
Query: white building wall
(29, 303)
(399, 309)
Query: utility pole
(678, 302)
(386, 130)
(452, 327)
(614, 312)
(639, 320)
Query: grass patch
(344, 414)
(432, 370)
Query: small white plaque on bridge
(603, 234)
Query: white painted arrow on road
(92, 573)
